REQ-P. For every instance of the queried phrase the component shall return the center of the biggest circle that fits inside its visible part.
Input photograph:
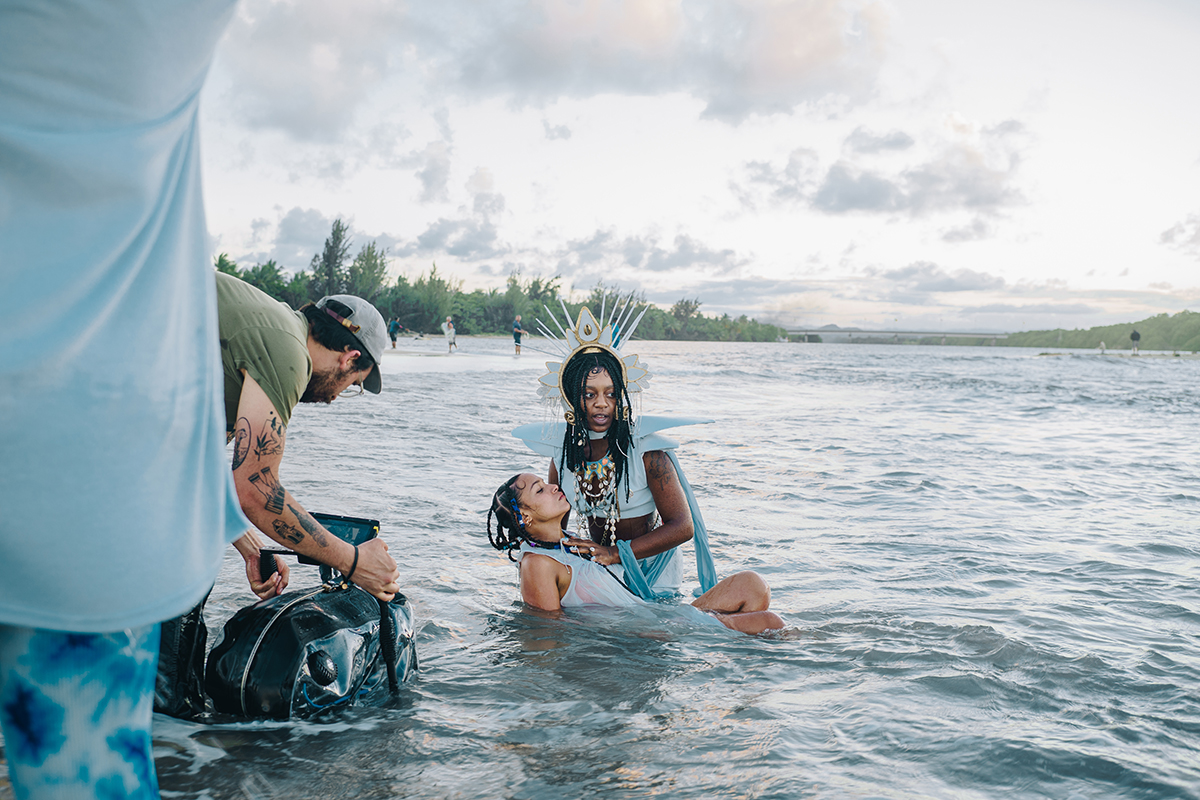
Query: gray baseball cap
(367, 325)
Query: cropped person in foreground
(117, 499)
(530, 515)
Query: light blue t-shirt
(116, 497)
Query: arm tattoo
(309, 524)
(241, 442)
(660, 472)
(289, 532)
(270, 441)
(269, 488)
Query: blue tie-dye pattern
(108, 690)
(112, 788)
(122, 678)
(38, 722)
(134, 748)
(60, 656)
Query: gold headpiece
(589, 336)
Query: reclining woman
(530, 515)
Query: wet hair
(505, 507)
(574, 379)
(332, 335)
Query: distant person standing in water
(1136, 338)
(448, 332)
(517, 333)
(394, 328)
(1102, 347)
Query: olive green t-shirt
(267, 339)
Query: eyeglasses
(353, 390)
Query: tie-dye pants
(75, 711)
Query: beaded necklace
(603, 499)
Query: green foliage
(368, 272)
(266, 277)
(329, 273)
(1162, 332)
(422, 305)
(226, 264)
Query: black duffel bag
(299, 653)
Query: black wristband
(354, 565)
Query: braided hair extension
(574, 378)
(506, 507)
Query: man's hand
(376, 572)
(249, 547)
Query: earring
(570, 418)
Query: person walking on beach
(1136, 338)
(394, 328)
(517, 333)
(448, 332)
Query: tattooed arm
(259, 439)
(675, 517)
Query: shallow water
(987, 559)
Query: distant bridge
(863, 333)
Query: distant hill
(1163, 332)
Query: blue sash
(640, 575)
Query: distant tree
(226, 264)
(685, 309)
(268, 278)
(368, 272)
(298, 290)
(329, 273)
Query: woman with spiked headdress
(631, 502)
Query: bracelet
(354, 565)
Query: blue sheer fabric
(640, 575)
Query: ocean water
(987, 558)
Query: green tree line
(424, 303)
(1162, 332)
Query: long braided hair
(574, 378)
(505, 507)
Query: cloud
(481, 186)
(308, 68)
(794, 182)
(972, 170)
(556, 132)
(848, 189)
(974, 231)
(1034, 308)
(865, 142)
(434, 172)
(300, 235)
(643, 253)
(1184, 236)
(465, 239)
(916, 283)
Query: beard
(323, 386)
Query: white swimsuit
(590, 585)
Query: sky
(917, 164)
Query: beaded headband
(590, 336)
